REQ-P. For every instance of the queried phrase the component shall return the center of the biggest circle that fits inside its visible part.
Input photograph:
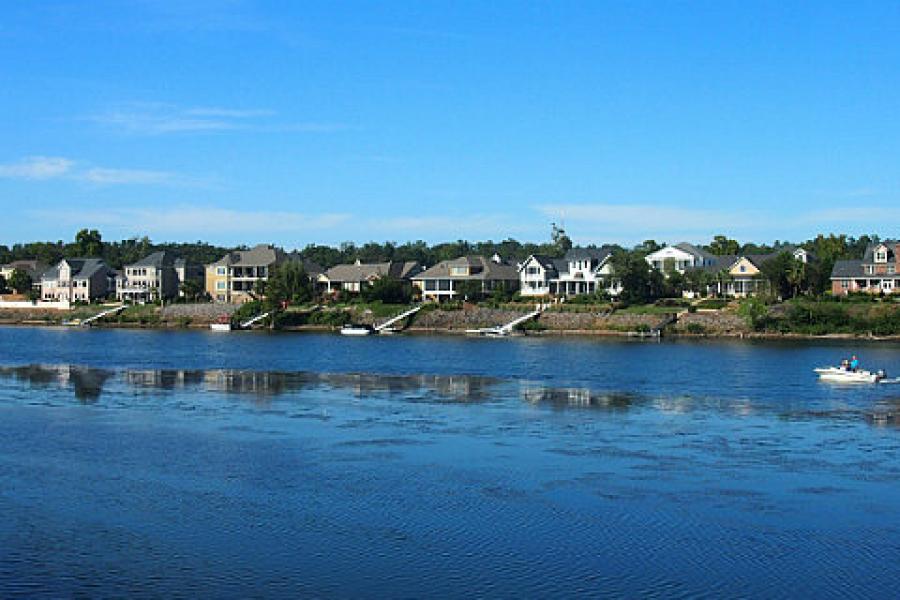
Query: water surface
(183, 463)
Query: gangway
(256, 319)
(100, 315)
(385, 327)
(504, 330)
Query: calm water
(182, 463)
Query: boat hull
(836, 375)
(355, 331)
(220, 326)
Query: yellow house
(234, 278)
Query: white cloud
(149, 118)
(101, 176)
(37, 167)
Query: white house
(75, 279)
(680, 258)
(582, 271)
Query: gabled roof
(891, 245)
(489, 270)
(33, 267)
(548, 263)
(157, 260)
(719, 263)
(367, 271)
(261, 255)
(82, 268)
(695, 251)
(599, 254)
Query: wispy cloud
(42, 168)
(147, 118)
(37, 167)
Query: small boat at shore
(356, 330)
(223, 323)
(840, 375)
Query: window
(220, 285)
(881, 255)
(870, 270)
(444, 285)
(220, 270)
(845, 284)
(459, 271)
(430, 285)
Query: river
(179, 463)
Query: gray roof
(869, 256)
(34, 268)
(846, 269)
(720, 263)
(157, 260)
(695, 251)
(82, 268)
(487, 270)
(550, 264)
(258, 256)
(599, 254)
(368, 271)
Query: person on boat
(854, 363)
(845, 364)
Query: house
(76, 279)
(150, 279)
(679, 258)
(312, 268)
(352, 277)
(188, 271)
(33, 268)
(878, 271)
(442, 281)
(742, 275)
(234, 277)
(581, 271)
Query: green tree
(192, 290)
(2, 284)
(641, 283)
(20, 281)
(289, 282)
(778, 272)
(469, 289)
(561, 241)
(388, 290)
(89, 242)
(723, 246)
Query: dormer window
(881, 254)
(459, 271)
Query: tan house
(352, 277)
(76, 280)
(234, 277)
(442, 281)
(878, 272)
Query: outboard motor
(881, 374)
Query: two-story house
(234, 278)
(582, 271)
(878, 271)
(442, 281)
(152, 278)
(352, 277)
(75, 280)
(679, 258)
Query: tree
(89, 242)
(470, 290)
(20, 281)
(777, 272)
(192, 289)
(2, 283)
(561, 241)
(289, 282)
(388, 290)
(640, 282)
(723, 246)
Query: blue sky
(294, 122)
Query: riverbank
(434, 320)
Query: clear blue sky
(298, 122)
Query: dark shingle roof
(845, 269)
(258, 256)
(891, 245)
(367, 271)
(82, 268)
(157, 260)
(487, 269)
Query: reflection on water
(87, 384)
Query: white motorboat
(839, 375)
(356, 330)
(220, 326)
